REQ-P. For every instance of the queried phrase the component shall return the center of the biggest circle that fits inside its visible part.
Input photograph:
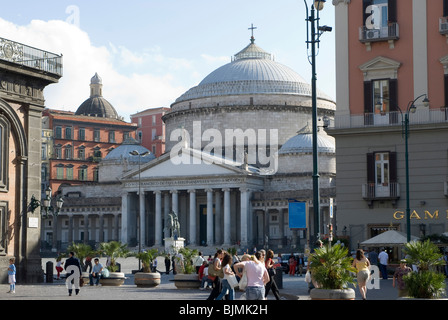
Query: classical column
(117, 227)
(124, 217)
(175, 201)
(101, 230)
(86, 228)
(244, 201)
(218, 226)
(70, 228)
(209, 216)
(166, 208)
(158, 231)
(142, 218)
(192, 216)
(54, 245)
(226, 216)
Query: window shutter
(368, 108)
(365, 4)
(446, 90)
(370, 168)
(392, 10)
(393, 97)
(445, 8)
(393, 167)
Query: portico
(212, 201)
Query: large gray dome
(252, 71)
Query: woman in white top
(226, 261)
(257, 277)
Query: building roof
(303, 143)
(123, 151)
(252, 71)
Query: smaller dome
(97, 107)
(303, 143)
(123, 152)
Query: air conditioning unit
(372, 34)
(444, 26)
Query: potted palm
(427, 282)
(82, 251)
(113, 250)
(331, 268)
(186, 278)
(145, 278)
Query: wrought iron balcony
(34, 58)
(391, 32)
(371, 192)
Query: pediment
(189, 163)
(380, 67)
(379, 63)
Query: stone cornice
(336, 2)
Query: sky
(149, 52)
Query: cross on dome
(252, 28)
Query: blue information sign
(297, 215)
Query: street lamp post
(314, 33)
(140, 216)
(411, 108)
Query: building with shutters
(390, 55)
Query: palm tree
(147, 257)
(81, 251)
(427, 282)
(331, 266)
(114, 250)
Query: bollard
(278, 277)
(49, 272)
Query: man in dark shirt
(73, 261)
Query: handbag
(243, 281)
(308, 276)
(271, 272)
(231, 279)
(213, 272)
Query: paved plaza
(294, 288)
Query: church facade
(238, 151)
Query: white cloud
(146, 84)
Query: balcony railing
(366, 120)
(24, 55)
(391, 32)
(371, 192)
(443, 25)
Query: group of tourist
(253, 274)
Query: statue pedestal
(172, 246)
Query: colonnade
(224, 215)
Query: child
(12, 276)
(59, 268)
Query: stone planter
(85, 278)
(115, 279)
(147, 279)
(332, 294)
(187, 281)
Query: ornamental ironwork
(30, 57)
